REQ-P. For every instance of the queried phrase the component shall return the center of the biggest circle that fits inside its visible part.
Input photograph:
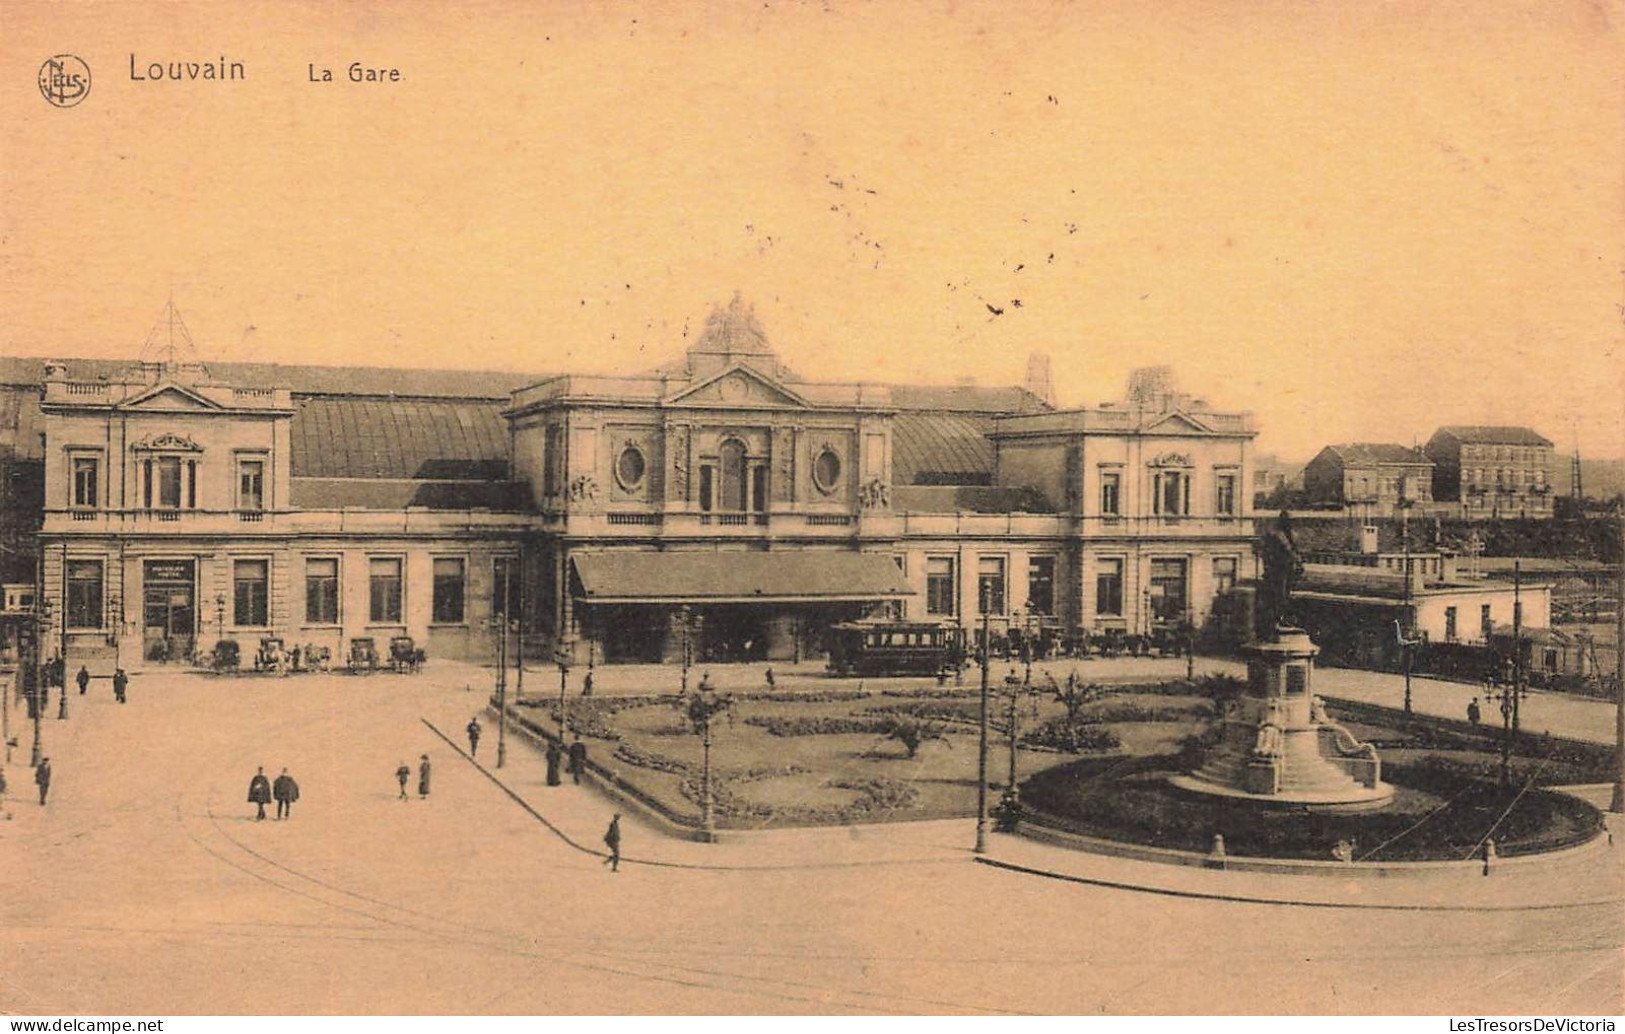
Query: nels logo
(64, 80)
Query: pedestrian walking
(578, 759)
(586, 685)
(423, 777)
(259, 792)
(772, 683)
(286, 791)
(612, 838)
(1474, 715)
(83, 678)
(474, 737)
(402, 774)
(42, 779)
(555, 759)
(121, 682)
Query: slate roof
(1484, 434)
(439, 439)
(301, 380)
(934, 448)
(967, 398)
(709, 576)
(1369, 453)
(387, 494)
(969, 499)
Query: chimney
(1040, 380)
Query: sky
(1358, 220)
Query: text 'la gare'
(356, 73)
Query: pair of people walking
(402, 774)
(262, 791)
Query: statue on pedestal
(1283, 568)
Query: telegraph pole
(1517, 640)
(1407, 641)
(502, 679)
(981, 751)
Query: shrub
(635, 755)
(1059, 733)
(804, 725)
(227, 655)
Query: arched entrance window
(731, 458)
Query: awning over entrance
(708, 577)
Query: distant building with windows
(1492, 471)
(721, 503)
(1369, 478)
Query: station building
(721, 505)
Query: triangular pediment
(1178, 423)
(738, 386)
(169, 398)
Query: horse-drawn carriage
(405, 656)
(363, 655)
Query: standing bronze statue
(1278, 552)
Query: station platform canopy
(700, 577)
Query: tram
(894, 647)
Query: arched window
(731, 458)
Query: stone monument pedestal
(1279, 748)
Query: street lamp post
(1618, 804)
(1507, 698)
(564, 678)
(981, 748)
(701, 710)
(1408, 641)
(36, 698)
(219, 619)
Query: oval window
(629, 469)
(827, 471)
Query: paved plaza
(146, 886)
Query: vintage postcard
(878, 508)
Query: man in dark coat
(555, 758)
(578, 759)
(1474, 715)
(83, 678)
(612, 838)
(42, 778)
(474, 737)
(286, 791)
(402, 774)
(121, 682)
(259, 792)
(423, 777)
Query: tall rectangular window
(1111, 493)
(322, 591)
(990, 584)
(505, 597)
(1109, 587)
(939, 585)
(1224, 574)
(251, 583)
(448, 591)
(84, 594)
(758, 488)
(251, 485)
(707, 477)
(169, 482)
(1170, 495)
(384, 590)
(1168, 593)
(1450, 624)
(1484, 625)
(552, 460)
(86, 479)
(1225, 491)
(1041, 584)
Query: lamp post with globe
(701, 710)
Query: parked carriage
(363, 655)
(404, 655)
